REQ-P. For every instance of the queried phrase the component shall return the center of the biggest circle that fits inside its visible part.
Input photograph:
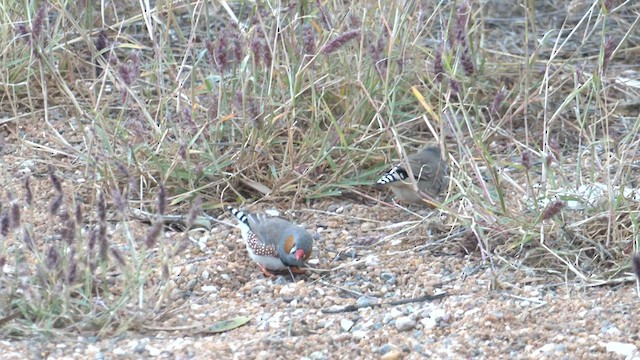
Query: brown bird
(430, 172)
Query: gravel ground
(377, 255)
(374, 254)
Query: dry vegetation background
(174, 107)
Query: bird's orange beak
(299, 254)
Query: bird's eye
(293, 249)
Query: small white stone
(371, 260)
(205, 275)
(360, 334)
(623, 349)
(153, 351)
(396, 242)
(429, 323)
(546, 348)
(209, 288)
(288, 290)
(391, 314)
(346, 324)
(405, 323)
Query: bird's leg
(265, 271)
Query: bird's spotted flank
(259, 248)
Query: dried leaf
(226, 325)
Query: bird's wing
(268, 229)
(426, 165)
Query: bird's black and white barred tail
(395, 174)
(241, 216)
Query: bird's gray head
(296, 249)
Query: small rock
(192, 268)
(209, 288)
(360, 334)
(175, 294)
(609, 328)
(281, 280)
(139, 347)
(288, 290)
(385, 349)
(391, 355)
(28, 166)
(391, 315)
(346, 324)
(153, 351)
(429, 323)
(317, 355)
(364, 301)
(405, 323)
(547, 348)
(192, 284)
(371, 260)
(389, 278)
(367, 226)
(622, 349)
(340, 210)
(205, 275)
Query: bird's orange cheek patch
(288, 244)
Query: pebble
(191, 284)
(391, 315)
(367, 226)
(391, 355)
(389, 278)
(317, 355)
(405, 323)
(360, 334)
(28, 166)
(364, 301)
(346, 324)
(288, 290)
(385, 349)
(429, 323)
(371, 260)
(281, 280)
(622, 349)
(153, 351)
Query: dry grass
(236, 101)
